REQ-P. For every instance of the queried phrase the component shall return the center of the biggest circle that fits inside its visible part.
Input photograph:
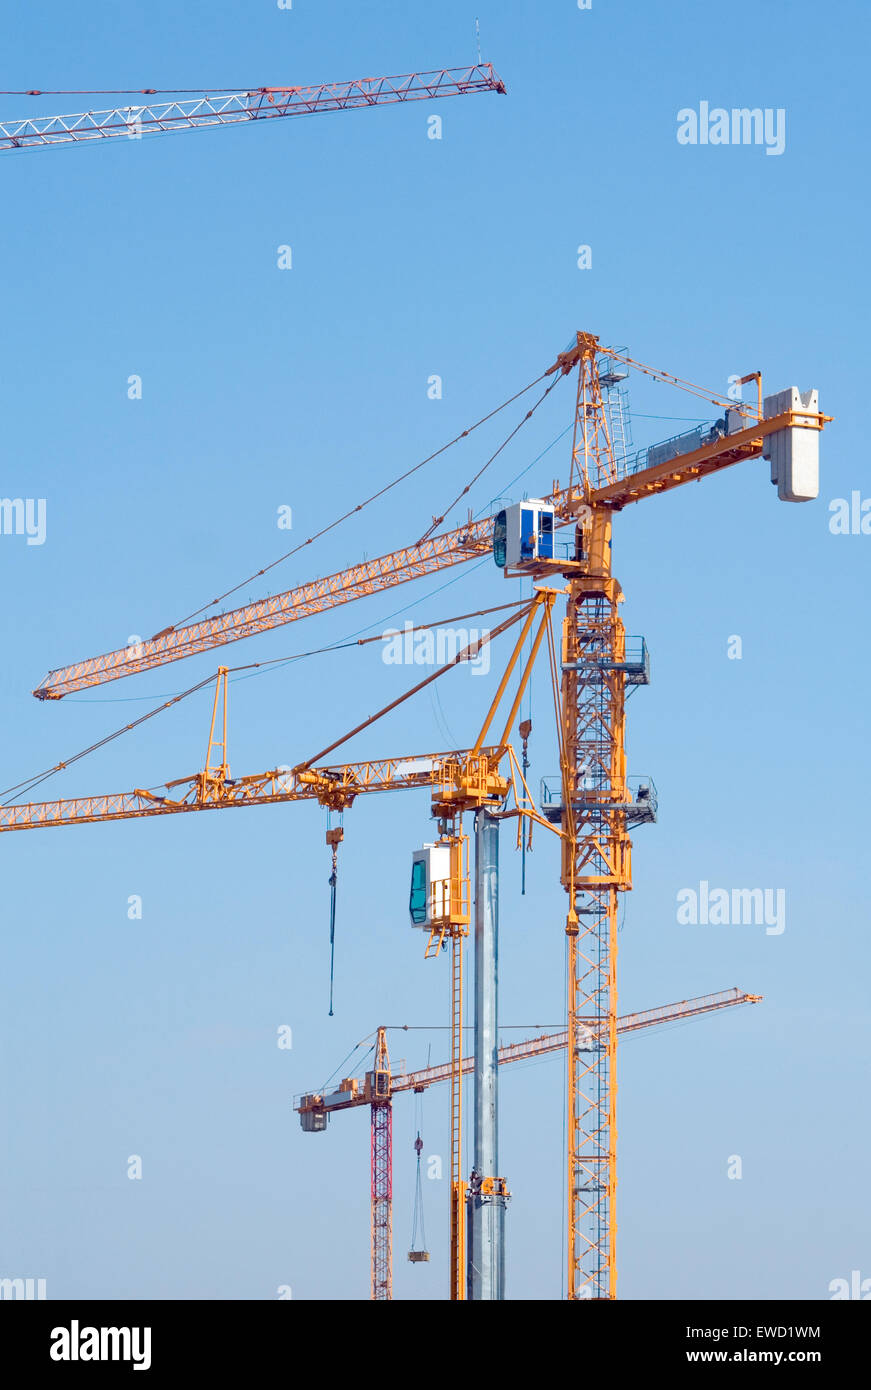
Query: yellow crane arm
(371, 577)
(428, 556)
(335, 787)
(710, 458)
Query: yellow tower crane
(460, 780)
(595, 807)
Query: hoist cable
(465, 654)
(359, 507)
(29, 783)
(437, 520)
(418, 1219)
(38, 777)
(333, 880)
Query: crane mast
(596, 846)
(381, 1169)
(459, 930)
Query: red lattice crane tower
(379, 1085)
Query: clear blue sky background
(308, 388)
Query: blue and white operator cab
(523, 534)
(429, 899)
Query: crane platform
(640, 807)
(635, 663)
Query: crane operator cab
(523, 535)
(430, 896)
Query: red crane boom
(214, 108)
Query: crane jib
(215, 108)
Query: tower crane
(377, 1087)
(608, 486)
(217, 107)
(460, 781)
(451, 776)
(595, 807)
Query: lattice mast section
(615, 398)
(382, 1174)
(596, 852)
(458, 1186)
(593, 456)
(450, 917)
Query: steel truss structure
(234, 108)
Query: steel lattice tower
(382, 1175)
(596, 852)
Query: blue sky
(308, 388)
